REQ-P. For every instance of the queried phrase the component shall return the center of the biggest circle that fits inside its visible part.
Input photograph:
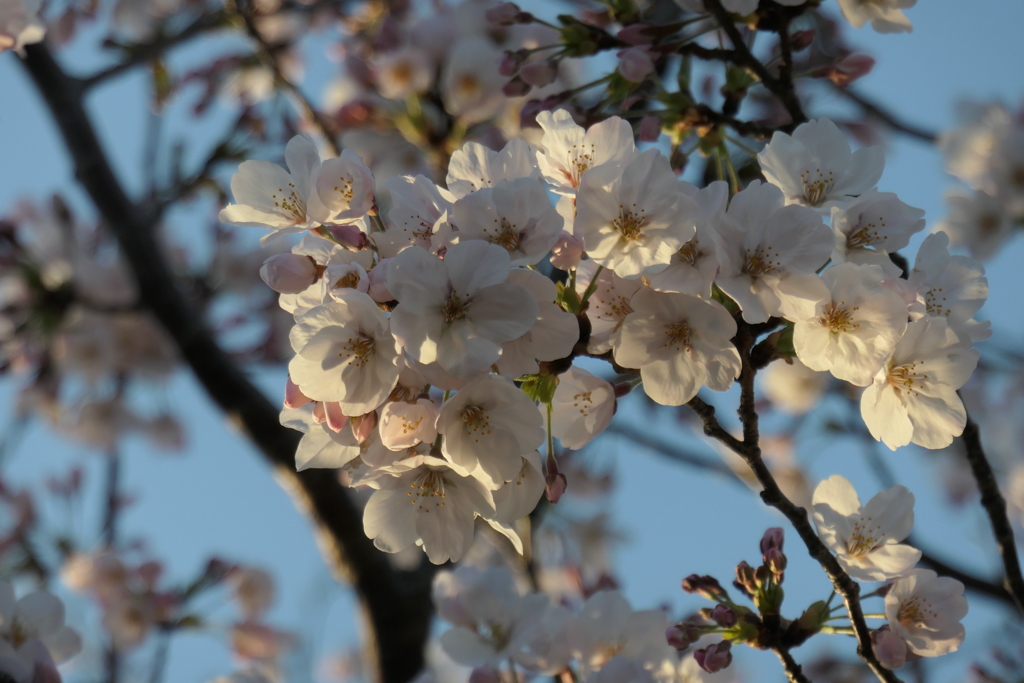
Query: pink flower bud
(773, 538)
(293, 396)
(539, 74)
(517, 87)
(554, 486)
(336, 420)
(723, 616)
(363, 426)
(676, 637)
(505, 14)
(510, 62)
(378, 277)
(650, 128)
(851, 68)
(350, 235)
(288, 273)
(637, 34)
(567, 252)
(714, 658)
(635, 64)
(802, 40)
(705, 586)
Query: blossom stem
(551, 439)
(591, 288)
(741, 145)
(376, 223)
(734, 179)
(838, 630)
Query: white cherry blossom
(345, 353)
(582, 407)
(553, 335)
(475, 167)
(513, 214)
(680, 343)
(460, 310)
(470, 82)
(519, 496)
(815, 167)
(324, 253)
(855, 328)
(607, 306)
(793, 387)
(488, 426)
(886, 16)
(913, 398)
(403, 72)
(872, 227)
(925, 610)
(634, 220)
(866, 539)
(342, 279)
(417, 204)
(345, 187)
(978, 221)
(426, 502)
(403, 425)
(769, 253)
(33, 636)
(570, 151)
(608, 627)
(321, 446)
(694, 267)
(952, 287)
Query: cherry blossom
(608, 305)
(403, 425)
(793, 387)
(855, 329)
(553, 335)
(475, 167)
(953, 287)
(487, 427)
(582, 407)
(925, 610)
(33, 637)
(321, 446)
(913, 398)
(872, 227)
(570, 151)
(886, 16)
(513, 214)
(289, 273)
(345, 353)
(866, 539)
(519, 496)
(695, 266)
(635, 220)
(608, 627)
(815, 166)
(345, 187)
(417, 204)
(460, 310)
(403, 72)
(769, 253)
(978, 221)
(680, 343)
(470, 82)
(20, 24)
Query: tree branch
(995, 505)
(772, 495)
(396, 603)
(672, 452)
(794, 672)
(888, 118)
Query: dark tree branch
(743, 57)
(772, 495)
(397, 604)
(794, 672)
(673, 452)
(995, 505)
(888, 118)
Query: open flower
(475, 167)
(694, 267)
(925, 610)
(866, 539)
(874, 226)
(913, 398)
(608, 305)
(345, 353)
(953, 287)
(680, 343)
(460, 310)
(855, 328)
(582, 407)
(417, 204)
(886, 16)
(570, 151)
(33, 637)
(635, 220)
(815, 167)
(552, 336)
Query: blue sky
(218, 497)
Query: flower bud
(802, 39)
(635, 64)
(723, 616)
(746, 578)
(539, 74)
(773, 538)
(350, 235)
(566, 252)
(714, 658)
(363, 426)
(650, 128)
(293, 396)
(510, 62)
(814, 617)
(705, 586)
(850, 69)
(517, 87)
(289, 273)
(637, 34)
(775, 561)
(676, 637)
(554, 486)
(505, 14)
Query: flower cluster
(444, 291)
(33, 637)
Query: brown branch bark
(995, 506)
(750, 450)
(888, 118)
(794, 672)
(396, 604)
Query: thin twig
(112, 506)
(888, 118)
(749, 449)
(645, 440)
(995, 505)
(794, 672)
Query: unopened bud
(773, 538)
(775, 561)
(714, 658)
(350, 235)
(801, 40)
(510, 62)
(650, 128)
(335, 419)
(293, 396)
(637, 34)
(517, 87)
(554, 486)
(363, 426)
(505, 14)
(289, 273)
(850, 69)
(566, 252)
(676, 637)
(746, 578)
(723, 616)
(705, 586)
(539, 74)
(635, 64)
